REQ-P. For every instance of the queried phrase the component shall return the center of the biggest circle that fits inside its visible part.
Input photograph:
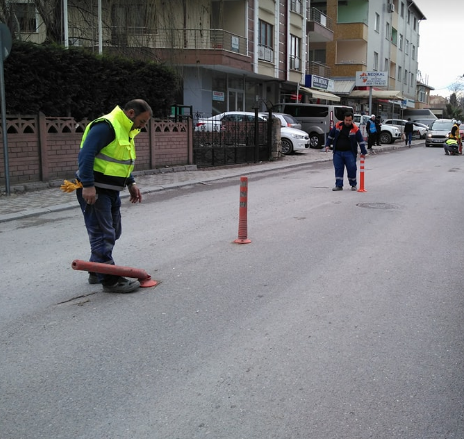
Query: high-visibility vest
(115, 162)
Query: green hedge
(74, 82)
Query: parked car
(420, 131)
(423, 125)
(388, 133)
(439, 132)
(214, 123)
(293, 140)
(286, 120)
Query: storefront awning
(318, 94)
(343, 87)
(377, 94)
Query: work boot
(121, 286)
(354, 188)
(337, 188)
(93, 278)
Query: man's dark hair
(139, 106)
(348, 114)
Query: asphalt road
(343, 318)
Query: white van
(317, 120)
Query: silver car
(286, 120)
(439, 132)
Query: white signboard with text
(371, 79)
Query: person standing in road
(371, 132)
(408, 130)
(345, 137)
(105, 165)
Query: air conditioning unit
(391, 7)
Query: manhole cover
(378, 205)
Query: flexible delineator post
(361, 175)
(97, 267)
(242, 221)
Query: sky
(441, 38)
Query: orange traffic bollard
(97, 267)
(242, 222)
(361, 175)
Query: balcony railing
(317, 68)
(317, 16)
(179, 39)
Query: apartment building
(378, 35)
(242, 54)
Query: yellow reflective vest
(115, 162)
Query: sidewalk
(39, 198)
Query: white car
(214, 123)
(418, 130)
(388, 133)
(286, 120)
(293, 140)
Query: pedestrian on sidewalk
(105, 162)
(408, 130)
(345, 137)
(378, 128)
(371, 130)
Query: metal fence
(234, 142)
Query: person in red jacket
(345, 137)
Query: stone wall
(42, 149)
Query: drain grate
(378, 205)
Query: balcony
(186, 39)
(320, 29)
(317, 68)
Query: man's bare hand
(135, 194)
(89, 194)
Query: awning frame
(319, 94)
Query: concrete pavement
(34, 199)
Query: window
(295, 6)
(295, 52)
(125, 21)
(415, 23)
(411, 80)
(265, 34)
(265, 42)
(413, 52)
(387, 32)
(376, 61)
(25, 15)
(399, 78)
(377, 22)
(402, 9)
(406, 77)
(386, 65)
(409, 16)
(401, 42)
(394, 36)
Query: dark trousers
(371, 140)
(103, 223)
(340, 160)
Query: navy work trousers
(340, 160)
